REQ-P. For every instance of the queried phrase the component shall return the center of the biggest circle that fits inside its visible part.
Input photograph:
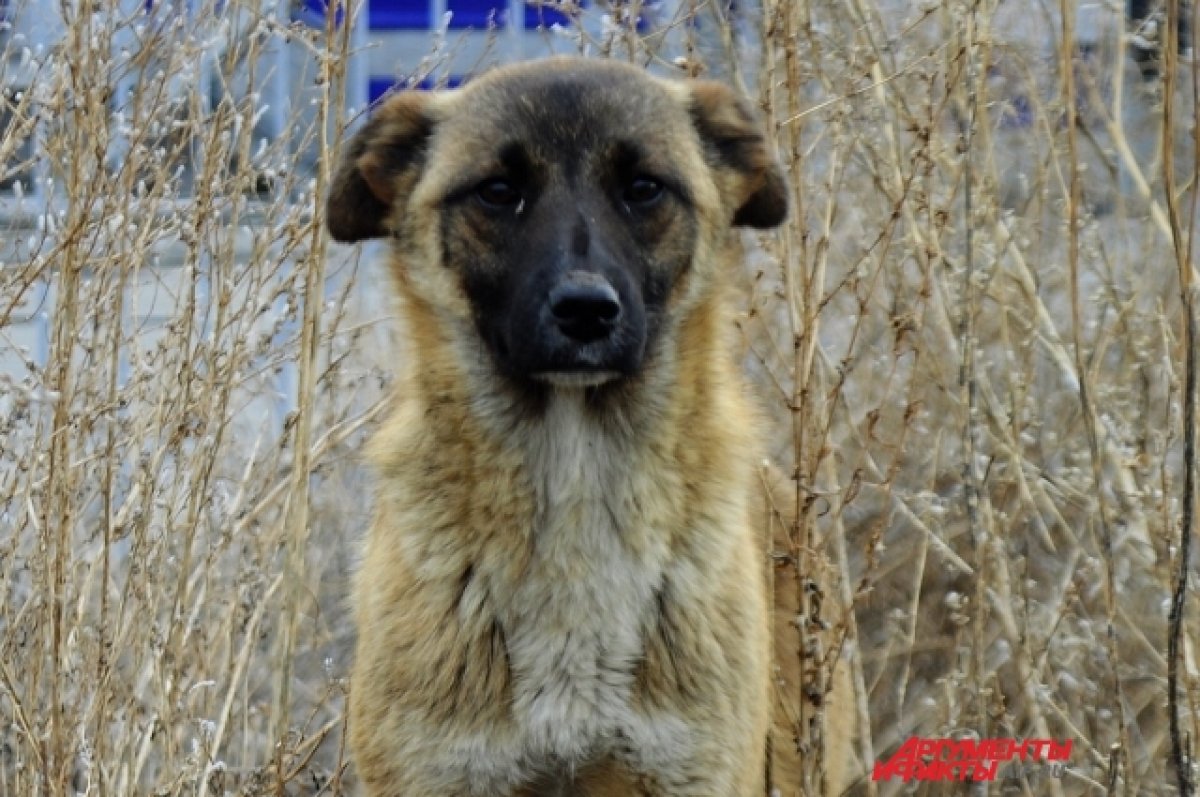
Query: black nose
(585, 306)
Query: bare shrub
(971, 341)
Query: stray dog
(562, 591)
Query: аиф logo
(967, 759)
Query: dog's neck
(569, 444)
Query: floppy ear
(378, 167)
(734, 138)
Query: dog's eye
(642, 192)
(497, 193)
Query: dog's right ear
(378, 168)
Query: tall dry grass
(176, 519)
(971, 339)
(979, 350)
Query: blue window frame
(377, 87)
(537, 15)
(381, 14)
(399, 15)
(477, 13)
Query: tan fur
(567, 599)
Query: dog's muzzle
(587, 334)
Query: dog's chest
(575, 624)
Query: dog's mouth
(577, 378)
(581, 368)
(573, 339)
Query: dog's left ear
(379, 166)
(733, 134)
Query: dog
(562, 591)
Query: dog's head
(563, 208)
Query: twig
(1180, 754)
(1074, 202)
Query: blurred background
(971, 340)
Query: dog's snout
(585, 306)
